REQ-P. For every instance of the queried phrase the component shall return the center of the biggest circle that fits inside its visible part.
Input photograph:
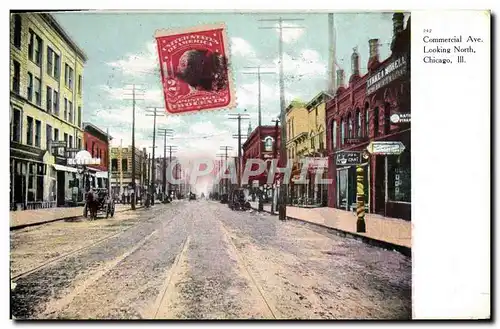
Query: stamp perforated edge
(231, 83)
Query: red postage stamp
(194, 69)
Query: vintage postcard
(235, 165)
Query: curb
(18, 227)
(371, 241)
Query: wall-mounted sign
(315, 163)
(386, 148)
(348, 158)
(400, 117)
(386, 74)
(84, 158)
(72, 150)
(355, 140)
(57, 144)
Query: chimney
(354, 63)
(340, 78)
(373, 60)
(397, 28)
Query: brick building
(360, 113)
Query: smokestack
(374, 56)
(340, 78)
(397, 28)
(355, 62)
(332, 86)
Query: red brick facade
(346, 117)
(96, 144)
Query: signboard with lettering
(348, 158)
(72, 150)
(57, 144)
(388, 73)
(386, 148)
(400, 117)
(92, 161)
(318, 162)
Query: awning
(64, 168)
(101, 174)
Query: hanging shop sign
(400, 117)
(348, 158)
(83, 158)
(386, 74)
(386, 148)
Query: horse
(92, 204)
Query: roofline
(97, 128)
(52, 21)
(321, 93)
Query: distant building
(46, 76)
(121, 171)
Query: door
(342, 188)
(61, 186)
(380, 185)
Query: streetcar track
(168, 282)
(76, 251)
(245, 266)
(67, 299)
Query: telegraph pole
(259, 92)
(165, 133)
(283, 186)
(153, 112)
(134, 98)
(226, 148)
(108, 162)
(239, 117)
(275, 155)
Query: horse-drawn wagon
(98, 201)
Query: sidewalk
(25, 218)
(385, 229)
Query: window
(16, 126)
(38, 50)
(17, 31)
(342, 131)
(29, 131)
(367, 121)
(399, 180)
(16, 78)
(65, 108)
(57, 66)
(71, 141)
(56, 134)
(50, 61)
(114, 164)
(79, 84)
(334, 133)
(79, 143)
(313, 146)
(124, 165)
(79, 116)
(349, 127)
(29, 89)
(56, 103)
(387, 118)
(66, 139)
(38, 133)
(375, 122)
(93, 146)
(68, 76)
(70, 105)
(31, 44)
(49, 99)
(359, 125)
(321, 143)
(38, 92)
(48, 135)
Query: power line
(259, 88)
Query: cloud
(139, 64)
(150, 95)
(307, 63)
(291, 33)
(241, 47)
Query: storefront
(347, 187)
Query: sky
(121, 51)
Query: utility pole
(108, 163)
(219, 185)
(239, 117)
(134, 99)
(226, 148)
(259, 92)
(283, 186)
(165, 133)
(275, 155)
(121, 168)
(153, 112)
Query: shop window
(399, 180)
(375, 122)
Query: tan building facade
(46, 82)
(121, 170)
